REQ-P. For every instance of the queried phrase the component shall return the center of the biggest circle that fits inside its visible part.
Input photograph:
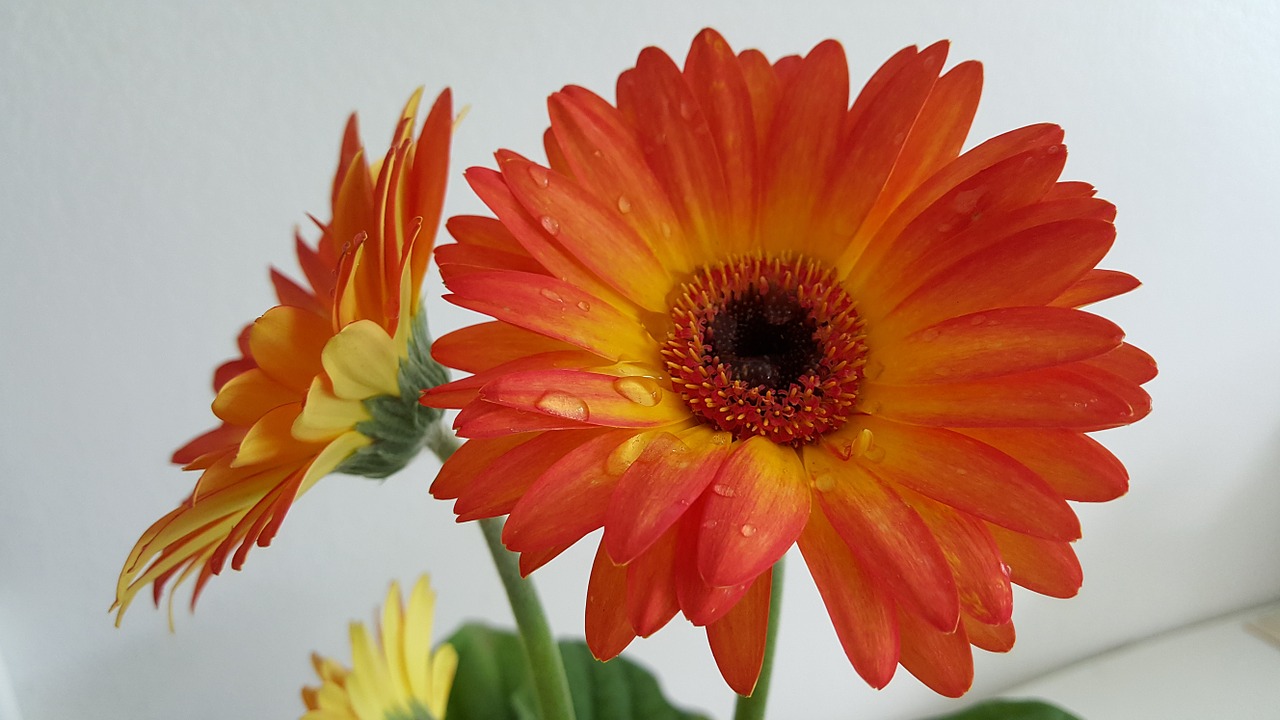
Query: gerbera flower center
(767, 346)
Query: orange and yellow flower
(400, 678)
(736, 313)
(328, 379)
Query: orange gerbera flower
(738, 313)
(329, 378)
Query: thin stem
(752, 708)
(545, 664)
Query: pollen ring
(768, 346)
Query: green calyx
(400, 426)
(415, 711)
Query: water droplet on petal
(639, 390)
(584, 306)
(550, 224)
(930, 334)
(539, 175)
(874, 454)
(977, 320)
(551, 295)
(747, 530)
(625, 454)
(721, 438)
(873, 370)
(824, 481)
(666, 229)
(624, 205)
(723, 490)
(562, 404)
(960, 471)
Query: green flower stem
(546, 666)
(545, 663)
(752, 708)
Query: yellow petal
(325, 416)
(362, 362)
(332, 456)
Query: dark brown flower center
(767, 346)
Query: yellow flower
(401, 680)
(740, 311)
(328, 379)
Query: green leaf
(1011, 710)
(493, 682)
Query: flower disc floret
(767, 346)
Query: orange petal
(675, 139)
(468, 461)
(861, 612)
(495, 489)
(483, 419)
(221, 438)
(738, 639)
(764, 89)
(459, 393)
(716, 80)
(940, 660)
(606, 157)
(491, 187)
(946, 179)
(1094, 286)
(1076, 466)
(700, 603)
(1029, 268)
(651, 587)
(588, 397)
(992, 638)
(250, 395)
(286, 343)
(608, 632)
(1070, 189)
(1048, 567)
(291, 293)
(871, 152)
(981, 579)
(594, 234)
(555, 308)
(966, 474)
(482, 232)
(656, 489)
(556, 159)
(270, 439)
(758, 505)
(425, 181)
(1128, 362)
(801, 146)
(886, 536)
(996, 342)
(472, 257)
(568, 501)
(487, 345)
(936, 136)
(1053, 397)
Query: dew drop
(977, 320)
(843, 449)
(624, 455)
(551, 295)
(639, 390)
(874, 454)
(624, 205)
(550, 224)
(864, 442)
(539, 175)
(824, 481)
(666, 229)
(721, 438)
(562, 404)
(723, 490)
(930, 334)
(584, 306)
(747, 530)
(960, 471)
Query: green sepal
(1011, 710)
(400, 424)
(493, 682)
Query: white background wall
(156, 155)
